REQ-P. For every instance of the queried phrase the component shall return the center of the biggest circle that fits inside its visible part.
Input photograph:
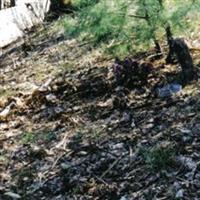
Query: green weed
(34, 137)
(159, 157)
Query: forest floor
(68, 131)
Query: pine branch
(138, 16)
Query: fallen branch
(111, 167)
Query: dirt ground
(69, 131)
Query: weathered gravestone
(14, 20)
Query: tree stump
(179, 49)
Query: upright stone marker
(26, 13)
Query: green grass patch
(67, 66)
(37, 137)
(158, 158)
(95, 134)
(123, 27)
(4, 93)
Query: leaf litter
(99, 132)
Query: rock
(176, 186)
(45, 86)
(188, 162)
(3, 126)
(6, 111)
(107, 103)
(59, 109)
(51, 98)
(190, 175)
(180, 193)
(126, 117)
(12, 195)
(133, 124)
(168, 90)
(123, 198)
(118, 146)
(186, 131)
(65, 166)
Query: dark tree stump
(12, 3)
(179, 49)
